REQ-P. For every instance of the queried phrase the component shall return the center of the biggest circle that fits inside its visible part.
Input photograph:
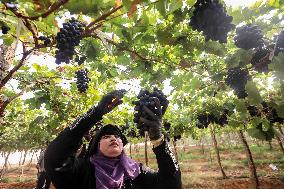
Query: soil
(199, 171)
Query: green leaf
(253, 93)
(161, 7)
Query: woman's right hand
(110, 101)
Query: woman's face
(111, 145)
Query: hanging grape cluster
(167, 126)
(280, 44)
(177, 137)
(82, 80)
(67, 38)
(253, 111)
(5, 29)
(80, 60)
(237, 80)
(260, 60)
(211, 18)
(46, 40)
(205, 119)
(269, 112)
(150, 100)
(248, 36)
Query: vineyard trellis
(226, 74)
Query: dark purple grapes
(67, 38)
(279, 44)
(46, 41)
(237, 80)
(82, 80)
(151, 101)
(253, 111)
(5, 29)
(210, 17)
(260, 60)
(248, 36)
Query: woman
(107, 166)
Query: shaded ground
(199, 169)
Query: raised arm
(60, 161)
(169, 175)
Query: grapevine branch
(103, 17)
(11, 73)
(51, 9)
(6, 102)
(144, 58)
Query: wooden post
(146, 149)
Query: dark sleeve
(60, 161)
(168, 175)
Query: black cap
(105, 130)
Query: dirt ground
(199, 170)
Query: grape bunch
(150, 100)
(167, 126)
(253, 111)
(82, 80)
(260, 60)
(279, 44)
(223, 120)
(237, 80)
(67, 38)
(46, 41)
(204, 119)
(271, 113)
(80, 60)
(248, 36)
(5, 29)
(210, 17)
(177, 137)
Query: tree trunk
(21, 158)
(270, 146)
(175, 148)
(32, 158)
(25, 155)
(251, 165)
(217, 151)
(280, 144)
(146, 149)
(4, 168)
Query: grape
(150, 100)
(279, 44)
(271, 113)
(177, 137)
(260, 60)
(167, 126)
(237, 80)
(223, 120)
(210, 17)
(82, 80)
(46, 41)
(5, 29)
(253, 111)
(203, 121)
(67, 38)
(80, 60)
(248, 36)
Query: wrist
(158, 141)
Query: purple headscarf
(112, 172)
